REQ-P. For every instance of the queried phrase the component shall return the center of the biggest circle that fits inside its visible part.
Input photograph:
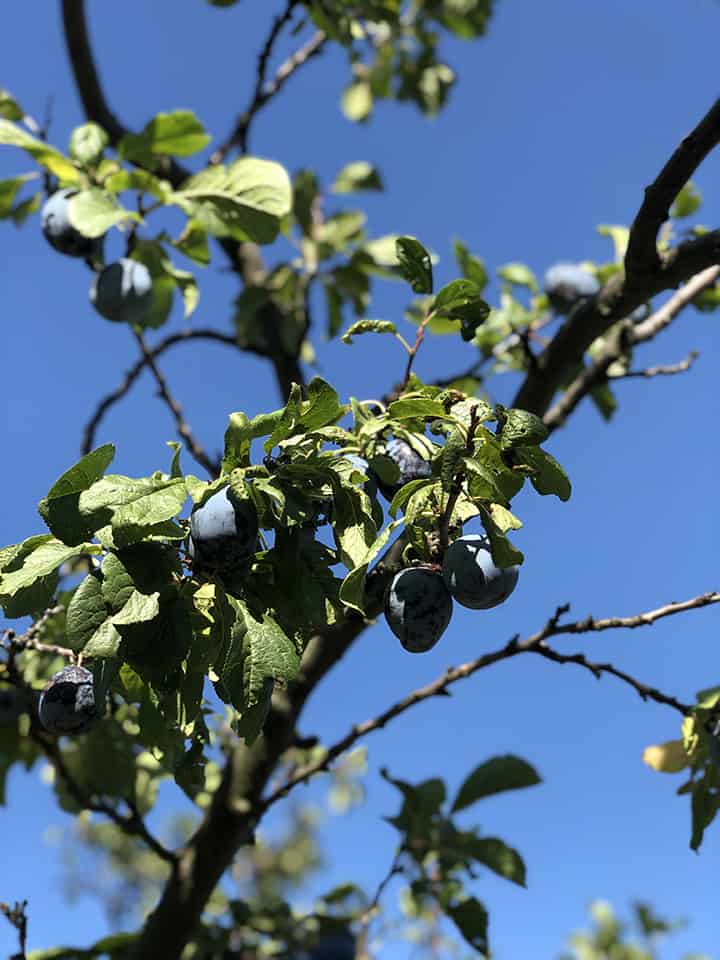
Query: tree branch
(536, 643)
(17, 917)
(661, 369)
(629, 336)
(264, 91)
(649, 272)
(641, 258)
(132, 824)
(89, 87)
(131, 375)
(598, 669)
(183, 428)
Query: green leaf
(10, 109)
(193, 243)
(9, 190)
(421, 803)
(416, 408)
(177, 134)
(352, 591)
(86, 612)
(503, 552)
(549, 476)
(415, 264)
(687, 201)
(619, 236)
(87, 143)
(257, 653)
(471, 267)
(357, 101)
(94, 211)
(519, 275)
(495, 776)
(132, 506)
(471, 919)
(60, 509)
(604, 399)
(368, 326)
(496, 856)
(357, 176)
(39, 563)
(461, 301)
(520, 427)
(47, 156)
(246, 200)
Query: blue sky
(562, 114)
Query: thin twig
(598, 669)
(367, 915)
(536, 644)
(17, 916)
(661, 369)
(412, 352)
(264, 90)
(131, 375)
(631, 335)
(132, 824)
(183, 427)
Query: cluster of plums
(121, 291)
(419, 600)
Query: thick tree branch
(131, 375)
(647, 271)
(628, 336)
(264, 91)
(594, 317)
(232, 817)
(642, 258)
(183, 427)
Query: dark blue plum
(223, 531)
(568, 283)
(471, 575)
(418, 608)
(67, 702)
(122, 292)
(59, 231)
(410, 464)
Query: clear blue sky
(561, 116)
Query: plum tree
(223, 531)
(59, 231)
(568, 283)
(67, 702)
(418, 608)
(472, 576)
(210, 628)
(123, 291)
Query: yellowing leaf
(667, 757)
